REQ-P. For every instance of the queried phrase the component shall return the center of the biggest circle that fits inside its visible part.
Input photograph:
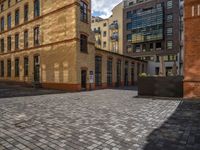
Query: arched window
(36, 8)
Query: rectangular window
(104, 44)
(2, 68)
(2, 7)
(17, 17)
(9, 21)
(169, 31)
(84, 12)
(2, 24)
(36, 36)
(129, 26)
(98, 70)
(17, 41)
(2, 45)
(9, 43)
(26, 39)
(169, 44)
(17, 67)
(169, 18)
(9, 68)
(25, 12)
(9, 2)
(109, 72)
(83, 43)
(169, 4)
(198, 10)
(129, 37)
(25, 66)
(193, 11)
(129, 14)
(36, 8)
(119, 72)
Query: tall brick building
(51, 44)
(192, 49)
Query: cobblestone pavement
(103, 119)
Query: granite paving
(111, 119)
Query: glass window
(129, 37)
(119, 71)
(26, 12)
(17, 67)
(2, 7)
(2, 68)
(9, 2)
(109, 72)
(129, 14)
(17, 17)
(9, 21)
(83, 43)
(9, 68)
(2, 45)
(169, 4)
(169, 44)
(84, 11)
(129, 26)
(17, 41)
(104, 44)
(169, 18)
(9, 43)
(98, 70)
(2, 23)
(26, 66)
(36, 36)
(36, 8)
(26, 39)
(169, 31)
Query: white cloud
(104, 7)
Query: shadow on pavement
(8, 91)
(180, 132)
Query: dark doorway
(126, 74)
(83, 79)
(132, 73)
(37, 68)
(118, 83)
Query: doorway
(83, 79)
(37, 68)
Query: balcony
(114, 37)
(114, 26)
(97, 31)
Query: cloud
(103, 8)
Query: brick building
(51, 44)
(192, 47)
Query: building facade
(109, 32)
(192, 47)
(50, 45)
(152, 33)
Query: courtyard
(111, 119)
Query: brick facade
(192, 47)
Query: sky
(103, 8)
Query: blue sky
(103, 8)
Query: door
(36, 68)
(83, 79)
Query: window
(158, 46)
(36, 8)
(25, 12)
(198, 10)
(9, 43)
(129, 15)
(2, 68)
(9, 2)
(193, 11)
(169, 4)
(129, 37)
(109, 72)
(104, 44)
(36, 36)
(18, 1)
(105, 24)
(129, 26)
(104, 34)
(2, 23)
(2, 7)
(169, 18)
(17, 17)
(17, 41)
(2, 45)
(25, 66)
(98, 70)
(169, 31)
(26, 39)
(9, 21)
(84, 11)
(83, 43)
(17, 67)
(119, 70)
(169, 44)
(9, 68)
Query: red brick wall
(192, 50)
